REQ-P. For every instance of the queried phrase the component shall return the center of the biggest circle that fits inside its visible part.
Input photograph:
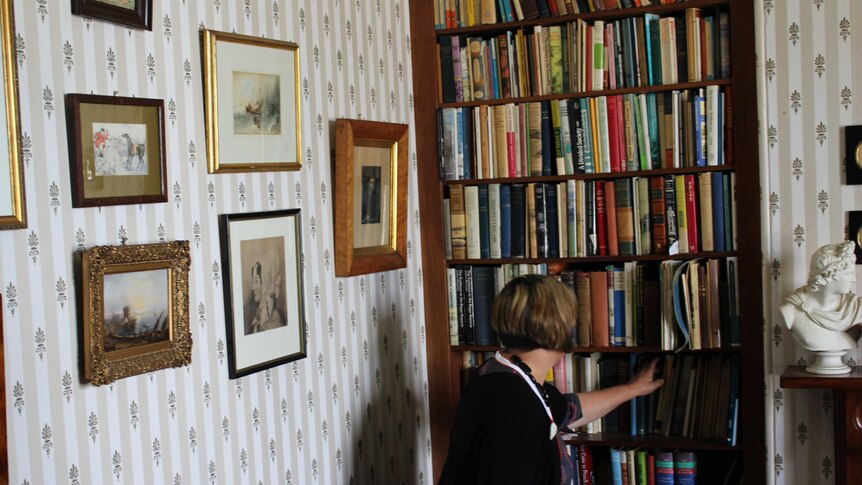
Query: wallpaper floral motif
(809, 76)
(355, 410)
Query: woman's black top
(501, 433)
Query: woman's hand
(643, 382)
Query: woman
(508, 427)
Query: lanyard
(521, 373)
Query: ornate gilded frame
(103, 367)
(16, 217)
(254, 56)
(355, 253)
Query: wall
(356, 409)
(810, 77)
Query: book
(658, 224)
(552, 221)
(452, 303)
(458, 217)
(625, 216)
(707, 242)
(505, 220)
(691, 214)
(601, 227)
(582, 292)
(483, 300)
(494, 213)
(685, 467)
(518, 193)
(598, 309)
(611, 217)
(484, 222)
(471, 211)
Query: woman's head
(828, 262)
(535, 311)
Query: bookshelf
(445, 359)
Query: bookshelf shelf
(593, 94)
(606, 15)
(491, 123)
(594, 176)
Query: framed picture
(116, 150)
(13, 214)
(854, 229)
(136, 310)
(252, 108)
(853, 154)
(263, 290)
(134, 13)
(370, 197)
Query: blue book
(653, 48)
(495, 71)
(619, 306)
(484, 223)
(685, 467)
(552, 220)
(616, 467)
(548, 158)
(733, 403)
(718, 228)
(483, 300)
(505, 221)
(664, 468)
(679, 302)
(653, 127)
(700, 129)
(544, 11)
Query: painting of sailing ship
(136, 309)
(256, 103)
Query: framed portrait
(252, 103)
(370, 197)
(116, 150)
(13, 213)
(853, 154)
(136, 310)
(263, 292)
(134, 13)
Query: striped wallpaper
(809, 72)
(355, 410)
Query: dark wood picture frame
(140, 16)
(386, 145)
(135, 340)
(92, 188)
(263, 289)
(854, 232)
(853, 154)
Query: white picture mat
(6, 187)
(245, 149)
(257, 348)
(372, 235)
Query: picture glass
(136, 309)
(264, 295)
(372, 195)
(119, 149)
(257, 104)
(127, 4)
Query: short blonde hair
(535, 311)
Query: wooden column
(847, 392)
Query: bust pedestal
(847, 392)
(828, 363)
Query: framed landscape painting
(263, 290)
(13, 214)
(136, 310)
(370, 197)
(252, 103)
(134, 13)
(116, 150)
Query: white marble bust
(824, 315)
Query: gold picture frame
(370, 197)
(136, 310)
(13, 211)
(251, 89)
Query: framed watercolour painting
(263, 290)
(370, 197)
(252, 103)
(134, 13)
(116, 150)
(136, 310)
(13, 214)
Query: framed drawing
(252, 103)
(13, 213)
(853, 154)
(370, 197)
(134, 13)
(263, 293)
(116, 150)
(136, 310)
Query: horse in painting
(134, 150)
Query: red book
(657, 215)
(588, 74)
(691, 213)
(650, 469)
(621, 131)
(505, 76)
(585, 464)
(601, 218)
(613, 133)
(552, 7)
(611, 209)
(728, 125)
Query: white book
(477, 144)
(453, 306)
(471, 207)
(566, 136)
(712, 125)
(571, 219)
(494, 220)
(466, 75)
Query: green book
(558, 137)
(556, 44)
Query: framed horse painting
(116, 150)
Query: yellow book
(597, 149)
(681, 213)
(531, 221)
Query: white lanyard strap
(521, 373)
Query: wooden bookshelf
(445, 360)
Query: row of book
(632, 466)
(671, 214)
(467, 13)
(616, 305)
(699, 399)
(580, 57)
(604, 134)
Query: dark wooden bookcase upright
(444, 360)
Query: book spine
(484, 222)
(518, 220)
(718, 207)
(670, 211)
(625, 217)
(547, 134)
(505, 236)
(541, 206)
(707, 241)
(611, 218)
(494, 214)
(691, 214)
(601, 218)
(452, 287)
(658, 224)
(459, 222)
